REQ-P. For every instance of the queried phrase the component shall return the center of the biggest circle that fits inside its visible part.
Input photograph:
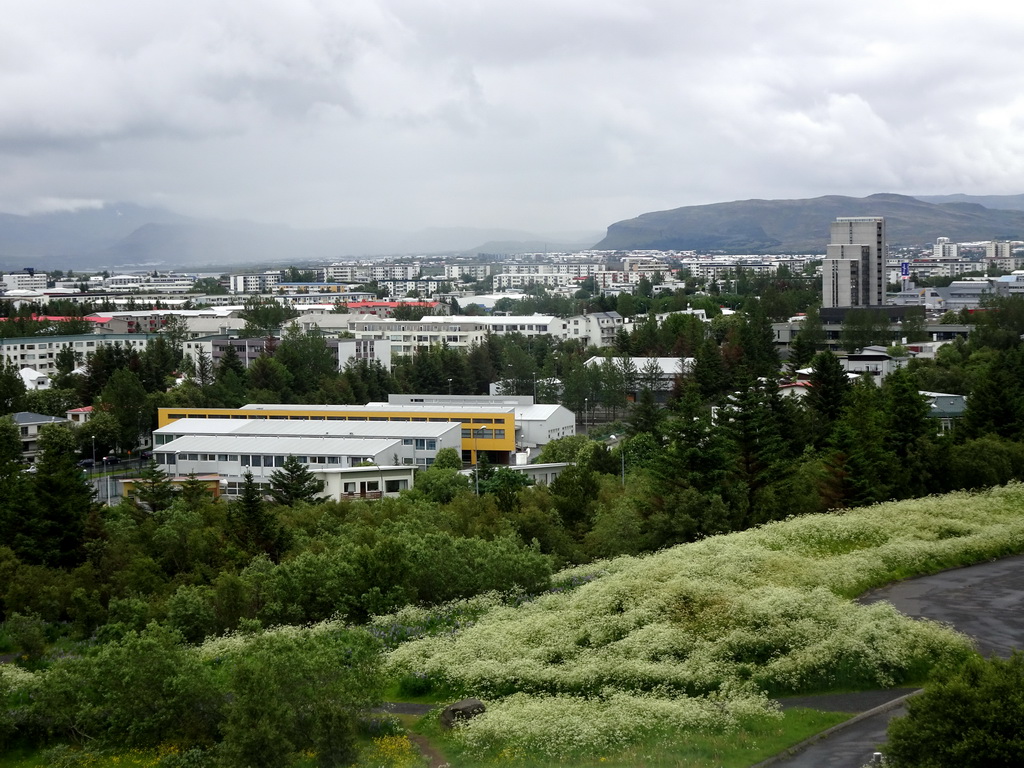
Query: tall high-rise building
(853, 271)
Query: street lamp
(586, 409)
(622, 456)
(476, 456)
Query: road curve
(983, 601)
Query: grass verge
(759, 740)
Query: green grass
(736, 749)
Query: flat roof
(306, 428)
(454, 410)
(303, 446)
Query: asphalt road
(983, 601)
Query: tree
(125, 397)
(827, 394)
(12, 388)
(447, 458)
(967, 718)
(65, 498)
(505, 485)
(255, 526)
(294, 483)
(307, 358)
(269, 381)
(301, 690)
(154, 489)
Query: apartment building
(853, 271)
(23, 281)
(40, 352)
(262, 282)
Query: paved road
(983, 601)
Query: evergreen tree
(125, 398)
(255, 526)
(827, 394)
(269, 381)
(690, 477)
(294, 483)
(307, 358)
(760, 358)
(646, 416)
(762, 463)
(154, 488)
(65, 500)
(862, 468)
(18, 510)
(12, 388)
(709, 370)
(230, 360)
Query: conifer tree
(65, 500)
(294, 483)
(154, 488)
(255, 526)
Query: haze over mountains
(125, 235)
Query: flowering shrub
(731, 617)
(392, 752)
(561, 726)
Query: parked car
(146, 455)
(87, 463)
(111, 459)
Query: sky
(553, 116)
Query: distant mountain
(996, 202)
(124, 236)
(802, 226)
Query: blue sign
(905, 269)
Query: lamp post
(586, 408)
(622, 456)
(476, 456)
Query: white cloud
(544, 114)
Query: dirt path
(428, 750)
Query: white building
(945, 249)
(40, 352)
(24, 281)
(420, 441)
(231, 456)
(853, 272)
(255, 283)
(537, 424)
(34, 380)
(29, 424)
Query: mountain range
(127, 236)
(802, 226)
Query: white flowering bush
(726, 619)
(562, 726)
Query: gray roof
(300, 446)
(307, 428)
(27, 417)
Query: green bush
(969, 717)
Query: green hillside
(696, 638)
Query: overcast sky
(546, 115)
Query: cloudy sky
(546, 115)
